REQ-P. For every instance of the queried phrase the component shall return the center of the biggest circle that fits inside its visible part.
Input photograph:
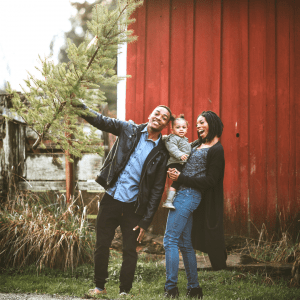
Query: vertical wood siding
(241, 59)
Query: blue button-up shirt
(126, 187)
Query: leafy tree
(48, 107)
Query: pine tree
(77, 36)
(48, 107)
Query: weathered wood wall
(241, 59)
(41, 170)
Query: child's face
(180, 128)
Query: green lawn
(149, 282)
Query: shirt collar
(145, 130)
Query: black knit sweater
(208, 230)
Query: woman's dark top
(196, 165)
(208, 231)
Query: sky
(27, 28)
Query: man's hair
(169, 110)
(214, 123)
(180, 117)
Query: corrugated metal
(241, 59)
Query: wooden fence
(42, 170)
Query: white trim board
(121, 87)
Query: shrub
(36, 229)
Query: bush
(36, 229)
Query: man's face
(159, 119)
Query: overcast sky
(27, 28)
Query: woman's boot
(195, 293)
(172, 293)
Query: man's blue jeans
(178, 235)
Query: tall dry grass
(51, 233)
(273, 248)
(276, 249)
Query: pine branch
(66, 81)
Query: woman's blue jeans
(178, 235)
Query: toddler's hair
(180, 117)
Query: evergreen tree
(48, 107)
(77, 35)
(79, 23)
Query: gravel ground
(35, 297)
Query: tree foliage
(48, 107)
(77, 35)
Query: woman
(199, 198)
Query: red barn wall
(241, 59)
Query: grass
(45, 231)
(148, 284)
(268, 248)
(46, 247)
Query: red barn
(241, 59)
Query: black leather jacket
(154, 171)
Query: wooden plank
(271, 137)
(165, 53)
(52, 167)
(153, 58)
(296, 132)
(207, 55)
(6, 112)
(90, 186)
(292, 101)
(139, 110)
(45, 167)
(42, 185)
(283, 108)
(257, 110)
(22, 151)
(157, 55)
(136, 56)
(181, 61)
(88, 167)
(131, 70)
(189, 72)
(235, 115)
(57, 185)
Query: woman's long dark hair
(215, 126)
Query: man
(134, 175)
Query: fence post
(12, 152)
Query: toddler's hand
(184, 157)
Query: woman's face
(202, 127)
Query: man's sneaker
(95, 292)
(172, 293)
(124, 292)
(195, 293)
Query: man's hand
(141, 235)
(75, 102)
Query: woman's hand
(173, 174)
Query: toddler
(179, 150)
